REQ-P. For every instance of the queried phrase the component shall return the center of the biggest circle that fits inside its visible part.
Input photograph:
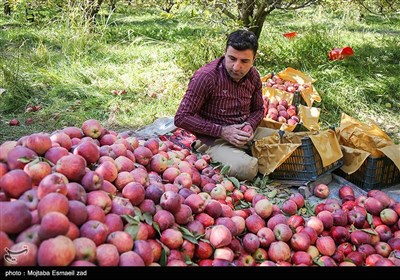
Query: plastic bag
(340, 53)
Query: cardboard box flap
(327, 146)
(392, 152)
(352, 159)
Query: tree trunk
(7, 8)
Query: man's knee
(246, 170)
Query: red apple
(300, 241)
(14, 216)
(326, 245)
(94, 230)
(107, 255)
(15, 182)
(279, 251)
(91, 128)
(49, 252)
(85, 249)
(321, 191)
(346, 190)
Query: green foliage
(70, 68)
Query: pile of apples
(288, 86)
(89, 196)
(280, 111)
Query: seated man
(223, 106)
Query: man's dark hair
(243, 40)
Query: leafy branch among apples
(89, 196)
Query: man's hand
(236, 136)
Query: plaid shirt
(214, 100)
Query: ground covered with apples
(89, 196)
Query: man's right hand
(235, 135)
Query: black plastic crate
(374, 173)
(304, 164)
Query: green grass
(70, 71)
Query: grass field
(70, 71)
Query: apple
(101, 199)
(15, 182)
(218, 192)
(31, 235)
(72, 166)
(282, 232)
(145, 250)
(121, 206)
(164, 219)
(203, 250)
(170, 201)
(245, 260)
(75, 191)
(171, 238)
(366, 250)
(96, 213)
(28, 258)
(326, 219)
(108, 170)
(389, 216)
(289, 207)
(37, 170)
(94, 230)
(384, 232)
(88, 150)
(340, 234)
(224, 253)
(14, 216)
(148, 205)
(113, 222)
(130, 258)
(220, 236)
(381, 196)
(123, 178)
(135, 192)
(279, 251)
(339, 217)
(85, 249)
(266, 236)
(321, 191)
(107, 255)
(91, 128)
(254, 223)
(373, 206)
(302, 258)
(49, 252)
(315, 223)
(38, 142)
(52, 183)
(276, 219)
(30, 198)
(195, 202)
(326, 245)
(359, 237)
(250, 242)
(345, 191)
(143, 155)
(263, 208)
(383, 249)
(5, 148)
(298, 198)
(73, 132)
(356, 217)
(159, 163)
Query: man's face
(238, 63)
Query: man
(223, 106)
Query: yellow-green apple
(49, 252)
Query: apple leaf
(156, 227)
(272, 193)
(370, 220)
(319, 263)
(132, 230)
(138, 213)
(25, 159)
(163, 258)
(130, 219)
(235, 182)
(225, 169)
(148, 218)
(190, 238)
(370, 231)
